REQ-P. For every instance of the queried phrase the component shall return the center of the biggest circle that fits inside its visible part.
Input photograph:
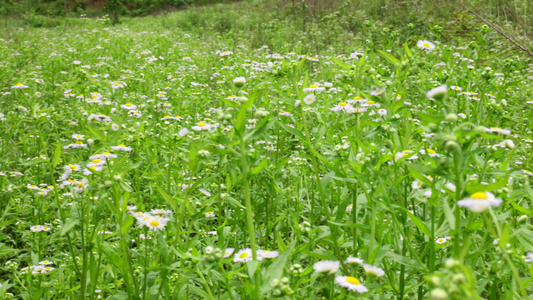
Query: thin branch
(493, 26)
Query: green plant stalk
(458, 190)
(506, 255)
(205, 282)
(83, 280)
(59, 206)
(131, 285)
(354, 218)
(226, 280)
(249, 209)
(145, 263)
(315, 167)
(431, 260)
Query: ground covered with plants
(175, 158)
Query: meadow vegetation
(266, 150)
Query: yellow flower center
(431, 151)
(121, 145)
(357, 98)
(313, 86)
(79, 142)
(441, 240)
(128, 104)
(97, 161)
(167, 116)
(243, 255)
(92, 167)
(343, 104)
(72, 167)
(106, 153)
(79, 137)
(201, 124)
(370, 102)
(353, 280)
(479, 196)
(154, 223)
(426, 45)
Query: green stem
(506, 255)
(325, 207)
(249, 211)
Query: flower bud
(239, 82)
(438, 294)
(438, 93)
(451, 146)
(451, 117)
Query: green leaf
(126, 187)
(404, 260)
(259, 167)
(342, 64)
(126, 225)
(430, 118)
(261, 127)
(294, 131)
(520, 209)
(419, 224)
(200, 292)
(240, 123)
(68, 225)
(397, 104)
(525, 238)
(193, 157)
(472, 188)
(119, 296)
(407, 51)
(57, 155)
(448, 213)
(168, 198)
(390, 58)
(97, 133)
(274, 271)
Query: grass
(134, 167)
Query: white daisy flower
(228, 252)
(129, 106)
(70, 168)
(309, 99)
(480, 201)
(121, 147)
(103, 156)
(441, 240)
(314, 88)
(425, 45)
(351, 283)
(201, 126)
(498, 130)
(343, 106)
(245, 255)
(373, 270)
(326, 266)
(267, 253)
(377, 91)
(354, 261)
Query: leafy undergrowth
(174, 158)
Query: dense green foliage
(243, 151)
